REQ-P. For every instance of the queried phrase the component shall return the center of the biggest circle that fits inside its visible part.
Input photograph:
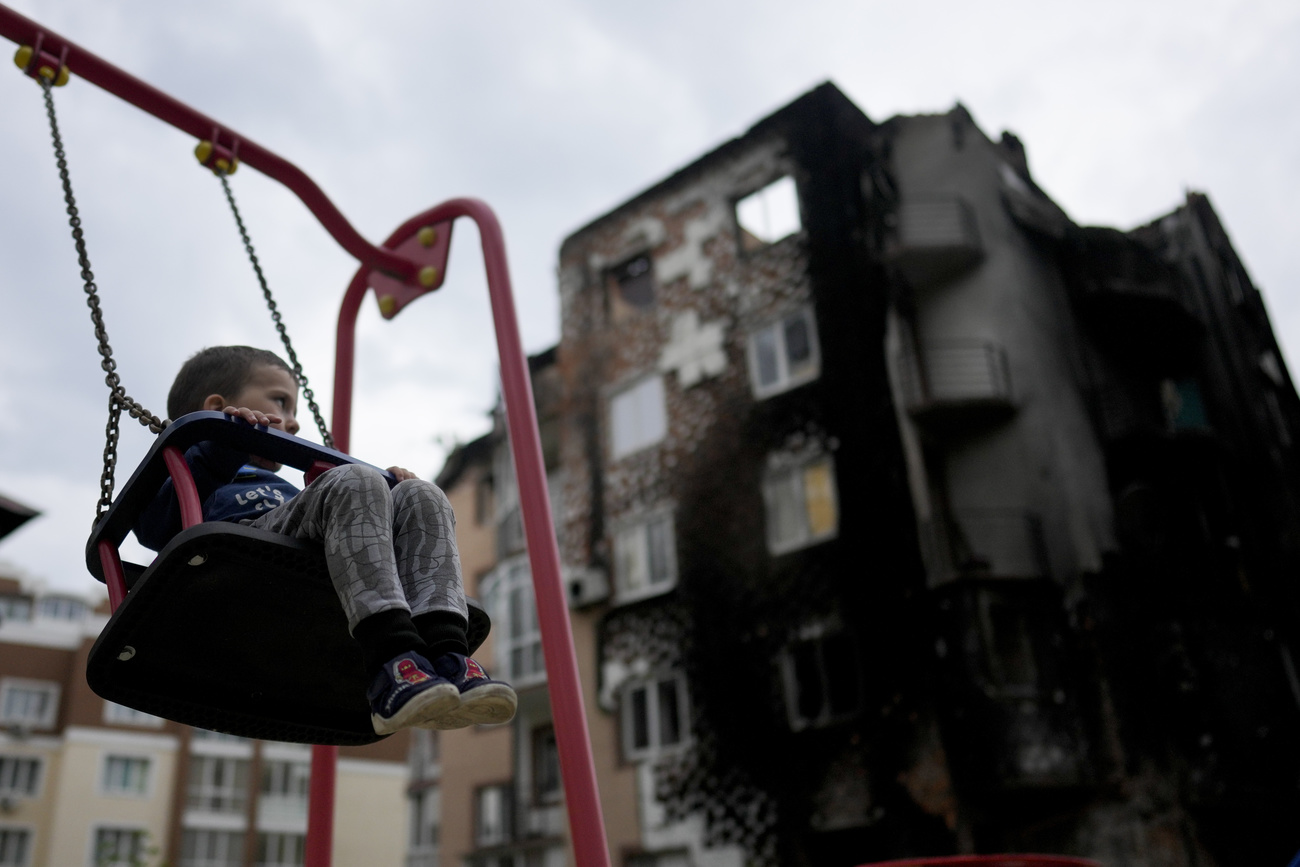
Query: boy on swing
(391, 554)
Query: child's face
(271, 390)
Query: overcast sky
(553, 113)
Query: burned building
(920, 519)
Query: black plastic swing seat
(231, 628)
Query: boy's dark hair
(223, 370)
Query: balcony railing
(934, 240)
(956, 382)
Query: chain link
(118, 398)
(275, 312)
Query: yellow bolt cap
(23, 56)
(427, 235)
(62, 77)
(387, 305)
(428, 276)
(46, 72)
(203, 150)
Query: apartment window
(821, 681)
(208, 848)
(632, 284)
(286, 781)
(802, 506)
(29, 703)
(654, 715)
(120, 847)
(645, 557)
(120, 714)
(15, 608)
(492, 815)
(125, 775)
(426, 818)
(61, 608)
(638, 416)
(218, 784)
(784, 354)
(281, 850)
(15, 847)
(546, 766)
(768, 215)
(19, 777)
(508, 592)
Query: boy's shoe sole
(423, 709)
(490, 704)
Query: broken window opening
(630, 287)
(768, 215)
(821, 681)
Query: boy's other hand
(253, 416)
(403, 475)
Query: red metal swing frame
(404, 270)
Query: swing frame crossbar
(586, 824)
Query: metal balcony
(934, 240)
(952, 385)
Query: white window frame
(140, 849)
(230, 852)
(785, 378)
(426, 820)
(48, 715)
(21, 776)
(500, 831)
(786, 479)
(650, 686)
(638, 416)
(126, 775)
(28, 835)
(517, 635)
(201, 792)
(634, 559)
(121, 715)
(66, 608)
(287, 845)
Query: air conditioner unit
(586, 586)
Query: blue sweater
(230, 489)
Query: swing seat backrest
(232, 628)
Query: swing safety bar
(58, 54)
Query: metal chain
(118, 398)
(275, 312)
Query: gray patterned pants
(385, 549)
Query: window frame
(640, 524)
(537, 757)
(200, 793)
(776, 483)
(132, 763)
(785, 381)
(139, 848)
(48, 718)
(37, 775)
(659, 432)
(654, 737)
(27, 834)
(296, 840)
(499, 588)
(235, 847)
(504, 835)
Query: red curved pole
(577, 767)
(122, 84)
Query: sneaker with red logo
(408, 692)
(483, 701)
